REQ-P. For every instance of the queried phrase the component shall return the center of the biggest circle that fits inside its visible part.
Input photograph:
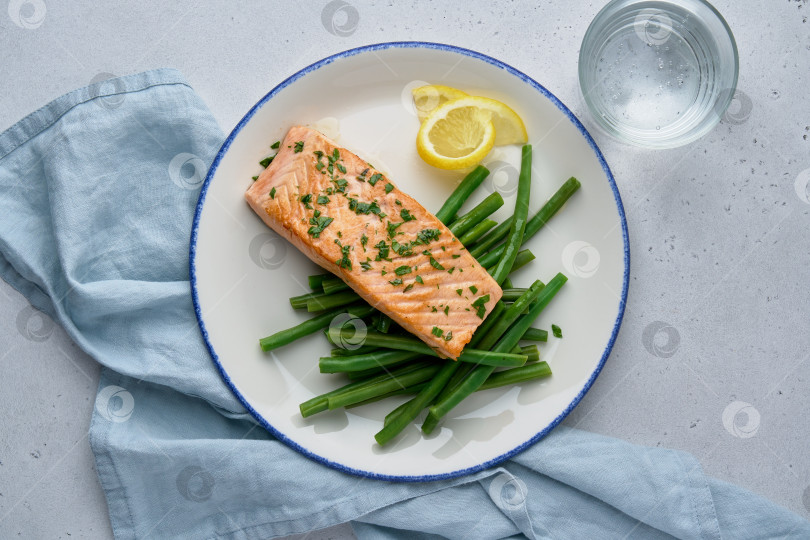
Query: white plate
(242, 273)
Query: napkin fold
(97, 194)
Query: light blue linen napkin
(97, 191)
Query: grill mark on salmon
(350, 219)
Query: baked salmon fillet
(353, 221)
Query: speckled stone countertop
(712, 357)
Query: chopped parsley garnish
(389, 188)
(479, 302)
(397, 202)
(403, 250)
(419, 279)
(255, 178)
(266, 161)
(319, 223)
(397, 281)
(299, 146)
(374, 178)
(366, 266)
(408, 288)
(451, 270)
(435, 264)
(405, 215)
(446, 310)
(362, 176)
(344, 261)
(438, 332)
(273, 193)
(433, 309)
(275, 145)
(318, 154)
(425, 236)
(456, 255)
(473, 289)
(335, 155)
(459, 291)
(448, 336)
(402, 270)
(383, 251)
(322, 199)
(365, 208)
(364, 241)
(341, 168)
(556, 330)
(306, 199)
(320, 165)
(392, 229)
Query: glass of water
(658, 73)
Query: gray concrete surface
(712, 357)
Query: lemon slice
(428, 98)
(456, 135)
(509, 127)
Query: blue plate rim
(406, 45)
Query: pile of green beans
(390, 362)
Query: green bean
(405, 343)
(384, 324)
(333, 284)
(462, 192)
(515, 238)
(496, 380)
(480, 374)
(339, 351)
(548, 210)
(510, 315)
(330, 301)
(300, 301)
(414, 389)
(471, 236)
(316, 280)
(531, 351)
(490, 240)
(320, 403)
(516, 375)
(310, 326)
(535, 334)
(486, 333)
(523, 258)
(363, 393)
(415, 405)
(342, 364)
(472, 218)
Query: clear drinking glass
(658, 74)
